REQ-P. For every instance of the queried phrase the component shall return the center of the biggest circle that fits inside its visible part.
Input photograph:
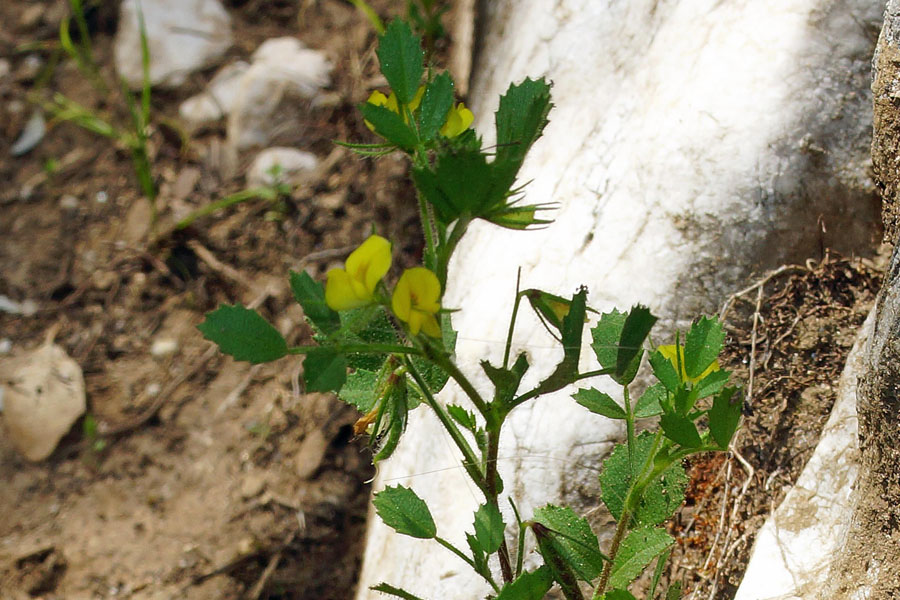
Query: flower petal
(370, 262)
(431, 327)
(401, 301)
(339, 292)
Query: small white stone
(182, 35)
(31, 135)
(285, 165)
(218, 99)
(152, 390)
(101, 197)
(68, 202)
(5, 67)
(163, 347)
(5, 346)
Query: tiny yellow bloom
(354, 285)
(458, 120)
(390, 103)
(416, 301)
(669, 353)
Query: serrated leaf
(310, 294)
(680, 430)
(605, 337)
(600, 403)
(371, 325)
(461, 182)
(572, 539)
(638, 548)
(712, 384)
(478, 556)
(359, 390)
(324, 370)
(530, 585)
(650, 402)
(572, 328)
(664, 371)
(243, 334)
(635, 330)
(462, 416)
(661, 497)
(386, 588)
(402, 510)
(520, 120)
(389, 125)
(702, 345)
(435, 105)
(401, 57)
(724, 416)
(489, 528)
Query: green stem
(428, 230)
(468, 560)
(470, 461)
(492, 493)
(512, 321)
(629, 426)
(441, 360)
(621, 530)
(540, 390)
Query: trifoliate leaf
(402, 510)
(243, 334)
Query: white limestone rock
(792, 554)
(43, 395)
(293, 166)
(183, 36)
(693, 141)
(217, 100)
(281, 69)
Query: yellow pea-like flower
(354, 285)
(458, 120)
(390, 103)
(670, 353)
(416, 301)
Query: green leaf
(489, 528)
(530, 585)
(661, 497)
(605, 336)
(702, 345)
(680, 430)
(572, 328)
(597, 402)
(397, 410)
(462, 416)
(635, 330)
(724, 416)
(657, 572)
(372, 325)
(402, 510)
(571, 538)
(310, 294)
(664, 371)
(359, 390)
(324, 370)
(478, 556)
(401, 57)
(243, 334)
(520, 120)
(394, 591)
(435, 105)
(712, 384)
(618, 595)
(389, 125)
(638, 548)
(460, 183)
(650, 402)
(674, 591)
(506, 381)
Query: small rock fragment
(286, 165)
(31, 135)
(68, 202)
(183, 36)
(163, 347)
(218, 99)
(253, 485)
(43, 396)
(310, 455)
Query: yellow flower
(669, 353)
(458, 120)
(354, 285)
(390, 103)
(416, 301)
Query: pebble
(32, 134)
(163, 347)
(5, 346)
(310, 455)
(5, 67)
(68, 202)
(286, 165)
(253, 485)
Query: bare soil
(215, 479)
